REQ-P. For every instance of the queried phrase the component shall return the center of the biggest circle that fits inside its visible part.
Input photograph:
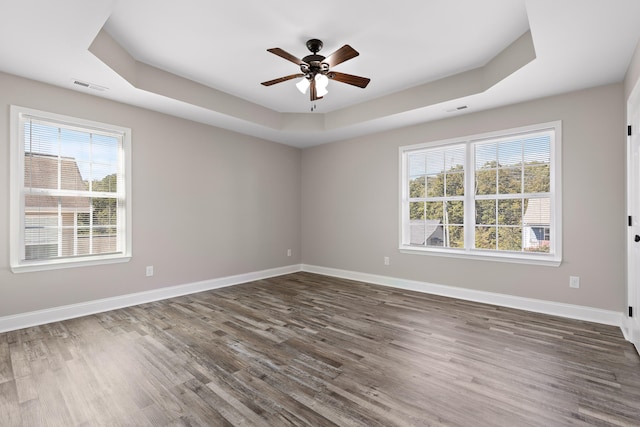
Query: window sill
(478, 255)
(28, 267)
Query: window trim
(554, 259)
(17, 199)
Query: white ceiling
(411, 50)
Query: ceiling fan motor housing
(314, 63)
(314, 45)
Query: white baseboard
(40, 317)
(570, 311)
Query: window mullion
(469, 194)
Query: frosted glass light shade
(321, 84)
(321, 91)
(321, 80)
(303, 85)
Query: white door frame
(632, 325)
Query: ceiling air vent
(89, 85)
(460, 108)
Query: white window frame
(18, 116)
(554, 258)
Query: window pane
(523, 167)
(433, 224)
(509, 238)
(83, 219)
(53, 205)
(45, 251)
(435, 211)
(486, 237)
(537, 179)
(455, 184)
(41, 229)
(416, 232)
(536, 239)
(109, 181)
(101, 240)
(486, 182)
(40, 139)
(455, 212)
(454, 159)
(455, 235)
(435, 185)
(485, 212)
(435, 161)
(537, 212)
(537, 225)
(434, 233)
(40, 171)
(105, 211)
(510, 153)
(417, 163)
(70, 177)
(486, 156)
(75, 145)
(510, 181)
(416, 187)
(56, 221)
(416, 210)
(435, 174)
(104, 149)
(40, 204)
(510, 212)
(537, 149)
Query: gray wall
(334, 205)
(207, 203)
(350, 203)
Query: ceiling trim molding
(154, 80)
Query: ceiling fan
(315, 69)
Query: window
(70, 183)
(494, 196)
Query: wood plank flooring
(309, 350)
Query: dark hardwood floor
(309, 350)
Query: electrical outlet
(574, 282)
(386, 260)
(288, 252)
(149, 270)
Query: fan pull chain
(313, 108)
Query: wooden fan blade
(282, 79)
(313, 92)
(286, 55)
(350, 79)
(345, 53)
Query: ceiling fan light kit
(315, 69)
(303, 85)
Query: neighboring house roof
(422, 230)
(43, 171)
(538, 212)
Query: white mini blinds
(493, 195)
(69, 191)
